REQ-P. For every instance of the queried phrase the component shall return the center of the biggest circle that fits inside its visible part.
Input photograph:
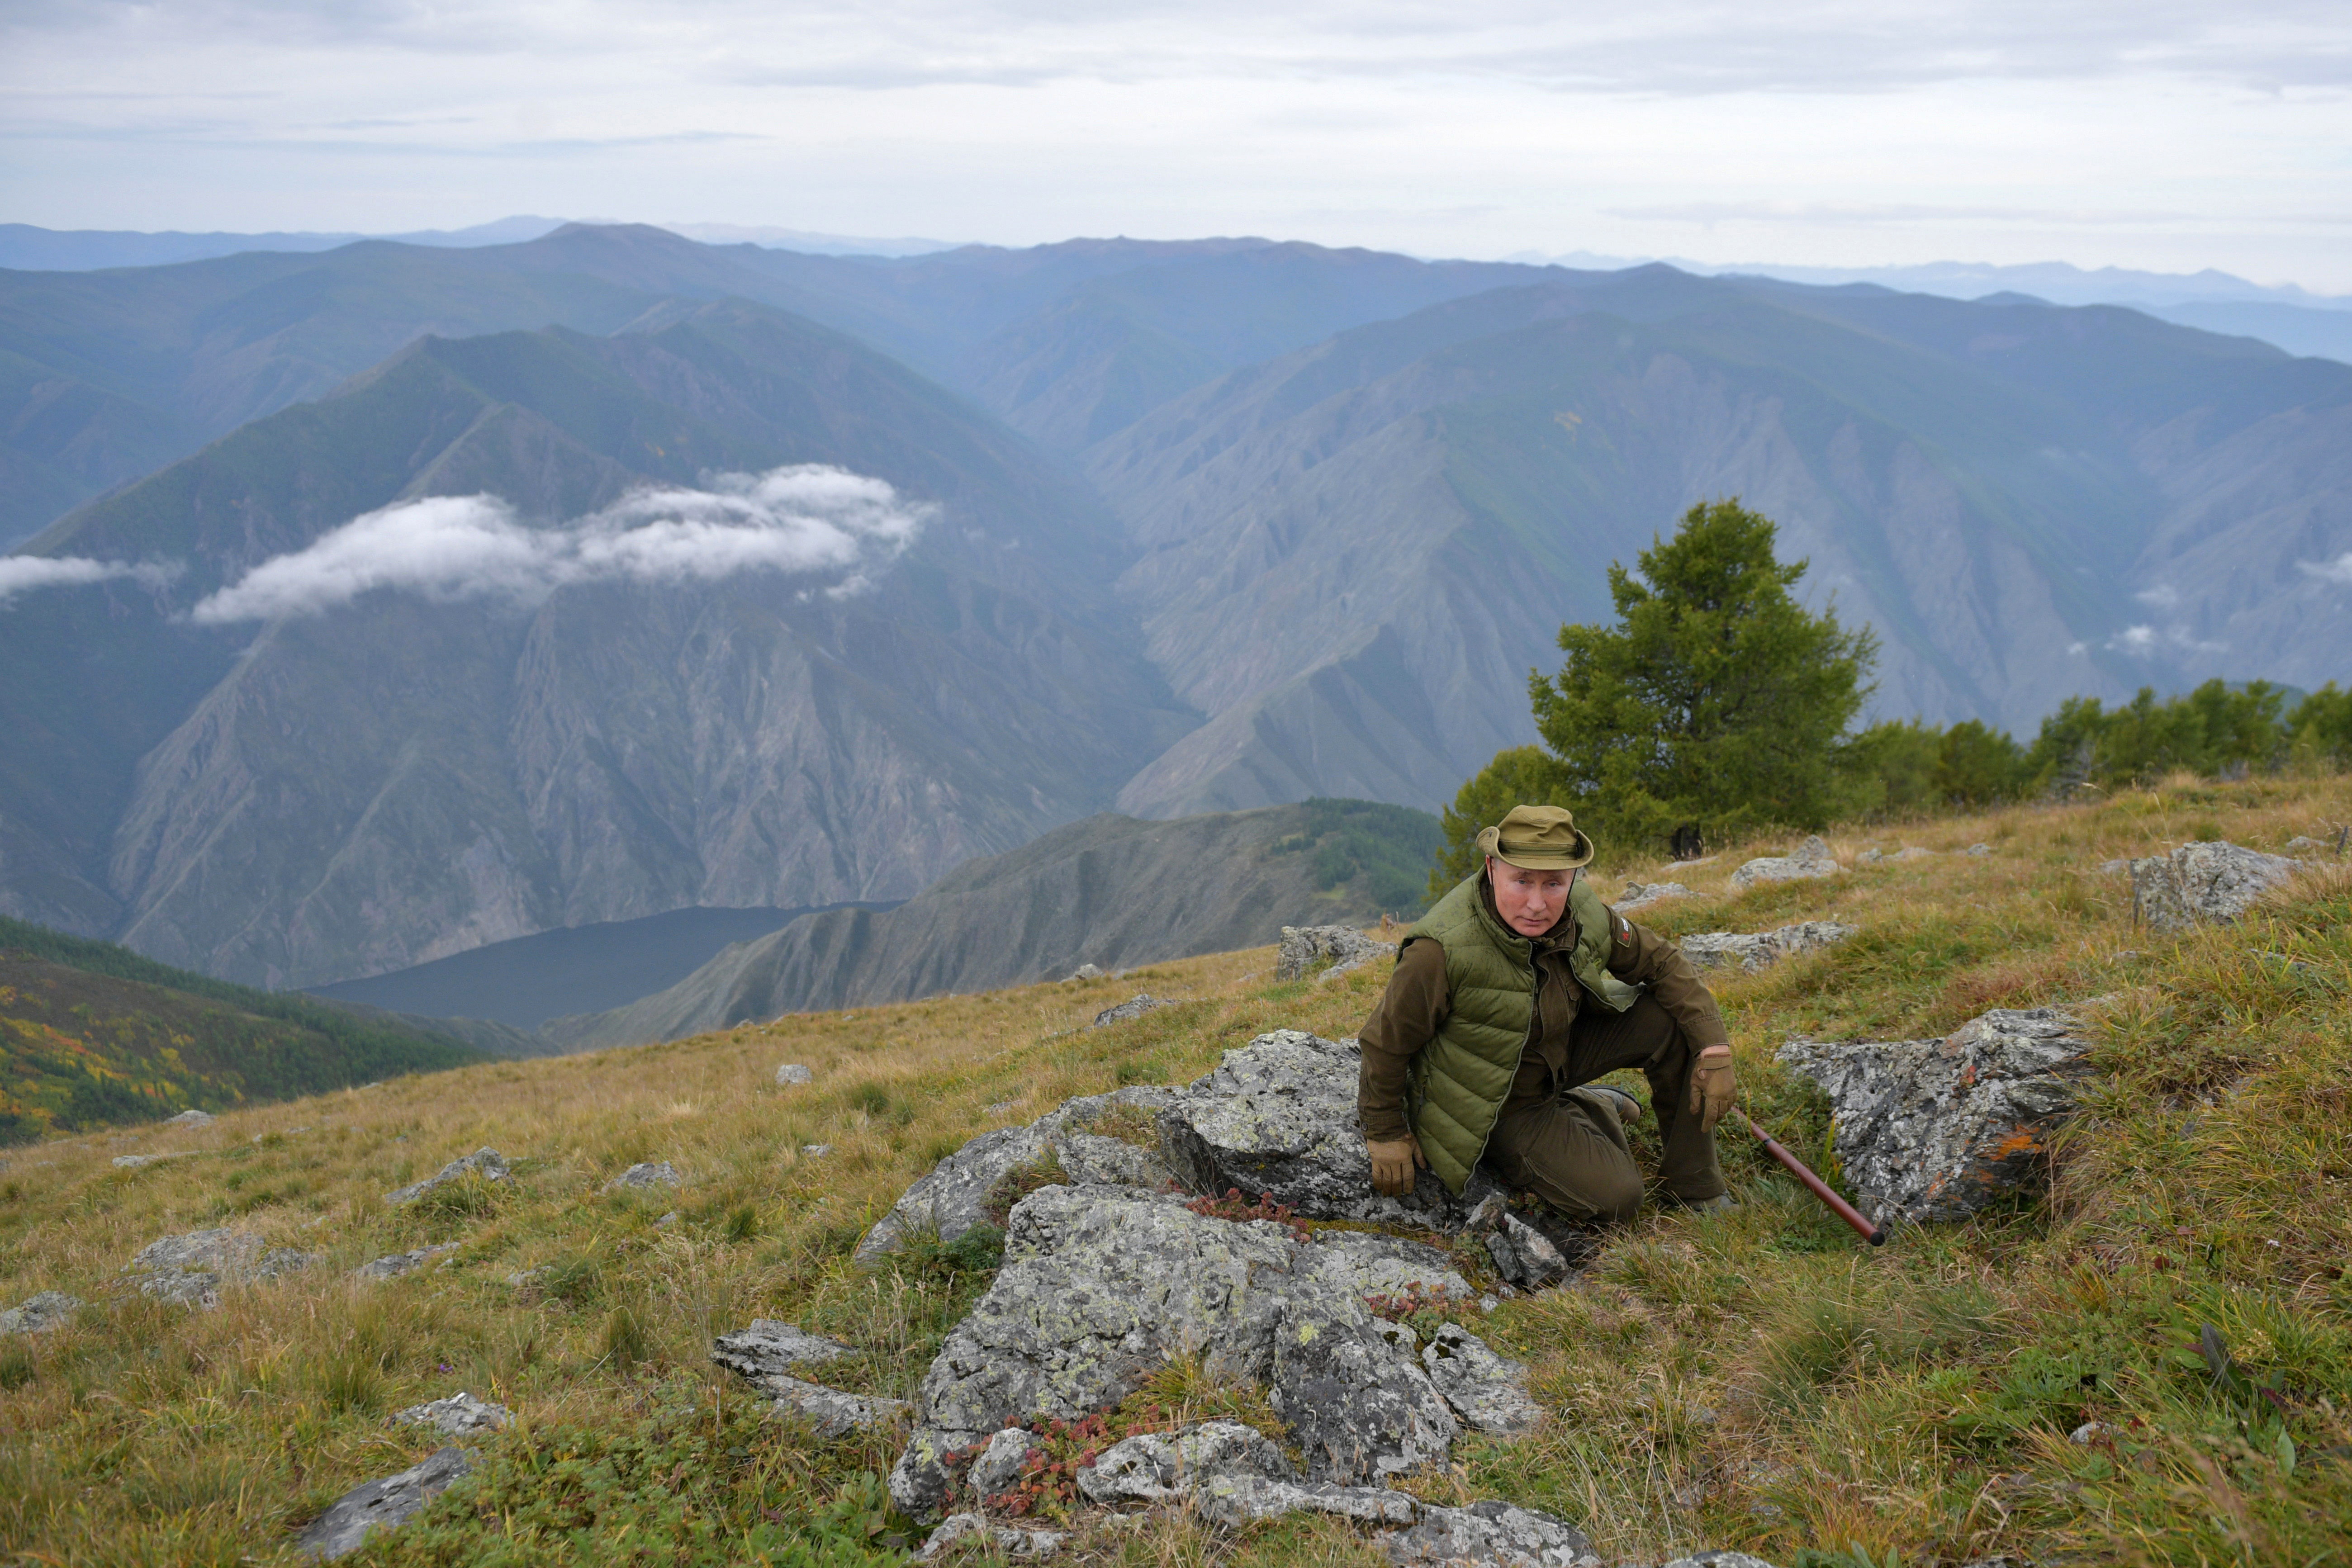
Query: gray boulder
(1136, 1007)
(2209, 883)
(1277, 1119)
(1163, 1466)
(132, 1162)
(1236, 1500)
(487, 1164)
(191, 1119)
(1718, 1560)
(791, 1073)
(770, 1349)
(1346, 948)
(1100, 1286)
(1488, 1392)
(1639, 894)
(974, 1527)
(191, 1269)
(645, 1175)
(1490, 1533)
(458, 1416)
(1810, 859)
(1378, 1265)
(1751, 952)
(833, 1413)
(40, 1312)
(1936, 1129)
(954, 1196)
(1001, 1463)
(384, 1504)
(399, 1263)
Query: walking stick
(1819, 1188)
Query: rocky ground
(1049, 1273)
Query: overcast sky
(2150, 134)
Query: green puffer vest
(1461, 1078)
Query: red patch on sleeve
(1624, 931)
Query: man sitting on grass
(1510, 997)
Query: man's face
(1528, 901)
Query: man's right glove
(1712, 1085)
(1393, 1163)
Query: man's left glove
(1393, 1163)
(1712, 1085)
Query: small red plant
(1235, 1207)
(1048, 1482)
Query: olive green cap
(1537, 838)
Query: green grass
(1756, 1380)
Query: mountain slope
(1352, 555)
(1110, 891)
(93, 1036)
(617, 749)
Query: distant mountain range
(1168, 527)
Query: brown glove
(1712, 1085)
(1393, 1163)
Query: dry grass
(1753, 1380)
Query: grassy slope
(92, 1034)
(1756, 1380)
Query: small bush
(626, 1341)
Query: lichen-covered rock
(770, 1349)
(1100, 1286)
(1526, 1256)
(833, 1413)
(1811, 859)
(1011, 1542)
(454, 1417)
(1494, 1533)
(1751, 952)
(645, 1175)
(40, 1312)
(1378, 1265)
(396, 1263)
(791, 1073)
(1135, 1006)
(953, 1198)
(384, 1504)
(1236, 1500)
(1001, 1463)
(1638, 895)
(1487, 1391)
(1304, 947)
(1277, 1119)
(1162, 1466)
(191, 1269)
(1718, 1560)
(487, 1164)
(1935, 1130)
(2208, 883)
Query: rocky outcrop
(1810, 860)
(1488, 1392)
(384, 1504)
(1277, 1120)
(1751, 952)
(40, 1312)
(645, 1175)
(458, 1416)
(1099, 1286)
(1164, 1466)
(1136, 1007)
(1343, 947)
(1936, 1129)
(1638, 895)
(2207, 883)
(483, 1164)
(191, 1269)
(133, 1161)
(400, 1263)
(768, 1353)
(190, 1119)
(1007, 1538)
(1490, 1533)
(953, 1197)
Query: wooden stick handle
(1845, 1211)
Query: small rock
(40, 1312)
(667, 1220)
(2209, 883)
(1526, 1256)
(1718, 949)
(454, 1417)
(1086, 972)
(132, 1162)
(1912, 852)
(1639, 894)
(645, 1175)
(190, 1268)
(2114, 868)
(399, 1263)
(1488, 1392)
(816, 1151)
(1000, 1464)
(2303, 844)
(1159, 1467)
(1490, 1533)
(2090, 1431)
(793, 1072)
(1870, 856)
(1936, 1129)
(1978, 849)
(832, 1412)
(384, 1504)
(191, 1119)
(1136, 1007)
(1811, 859)
(772, 1349)
(1236, 1500)
(487, 1163)
(1303, 947)
(1012, 1542)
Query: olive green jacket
(1460, 1081)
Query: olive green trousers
(1570, 1150)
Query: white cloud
(2336, 571)
(2149, 639)
(23, 573)
(2163, 596)
(804, 518)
